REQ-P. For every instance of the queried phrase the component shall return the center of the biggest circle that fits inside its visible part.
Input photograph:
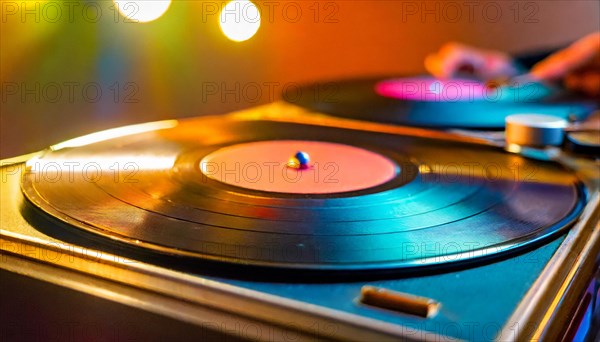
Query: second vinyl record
(428, 102)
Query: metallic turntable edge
(574, 259)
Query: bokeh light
(142, 10)
(240, 20)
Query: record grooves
(467, 203)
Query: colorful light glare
(142, 10)
(240, 20)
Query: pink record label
(331, 168)
(433, 90)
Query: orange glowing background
(181, 64)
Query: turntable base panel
(476, 302)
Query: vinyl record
(427, 102)
(224, 189)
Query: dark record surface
(426, 102)
(448, 203)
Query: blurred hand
(577, 65)
(453, 58)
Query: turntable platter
(411, 201)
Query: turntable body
(527, 285)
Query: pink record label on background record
(331, 167)
(432, 90)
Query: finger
(442, 67)
(451, 58)
(588, 83)
(562, 62)
(458, 56)
(433, 66)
